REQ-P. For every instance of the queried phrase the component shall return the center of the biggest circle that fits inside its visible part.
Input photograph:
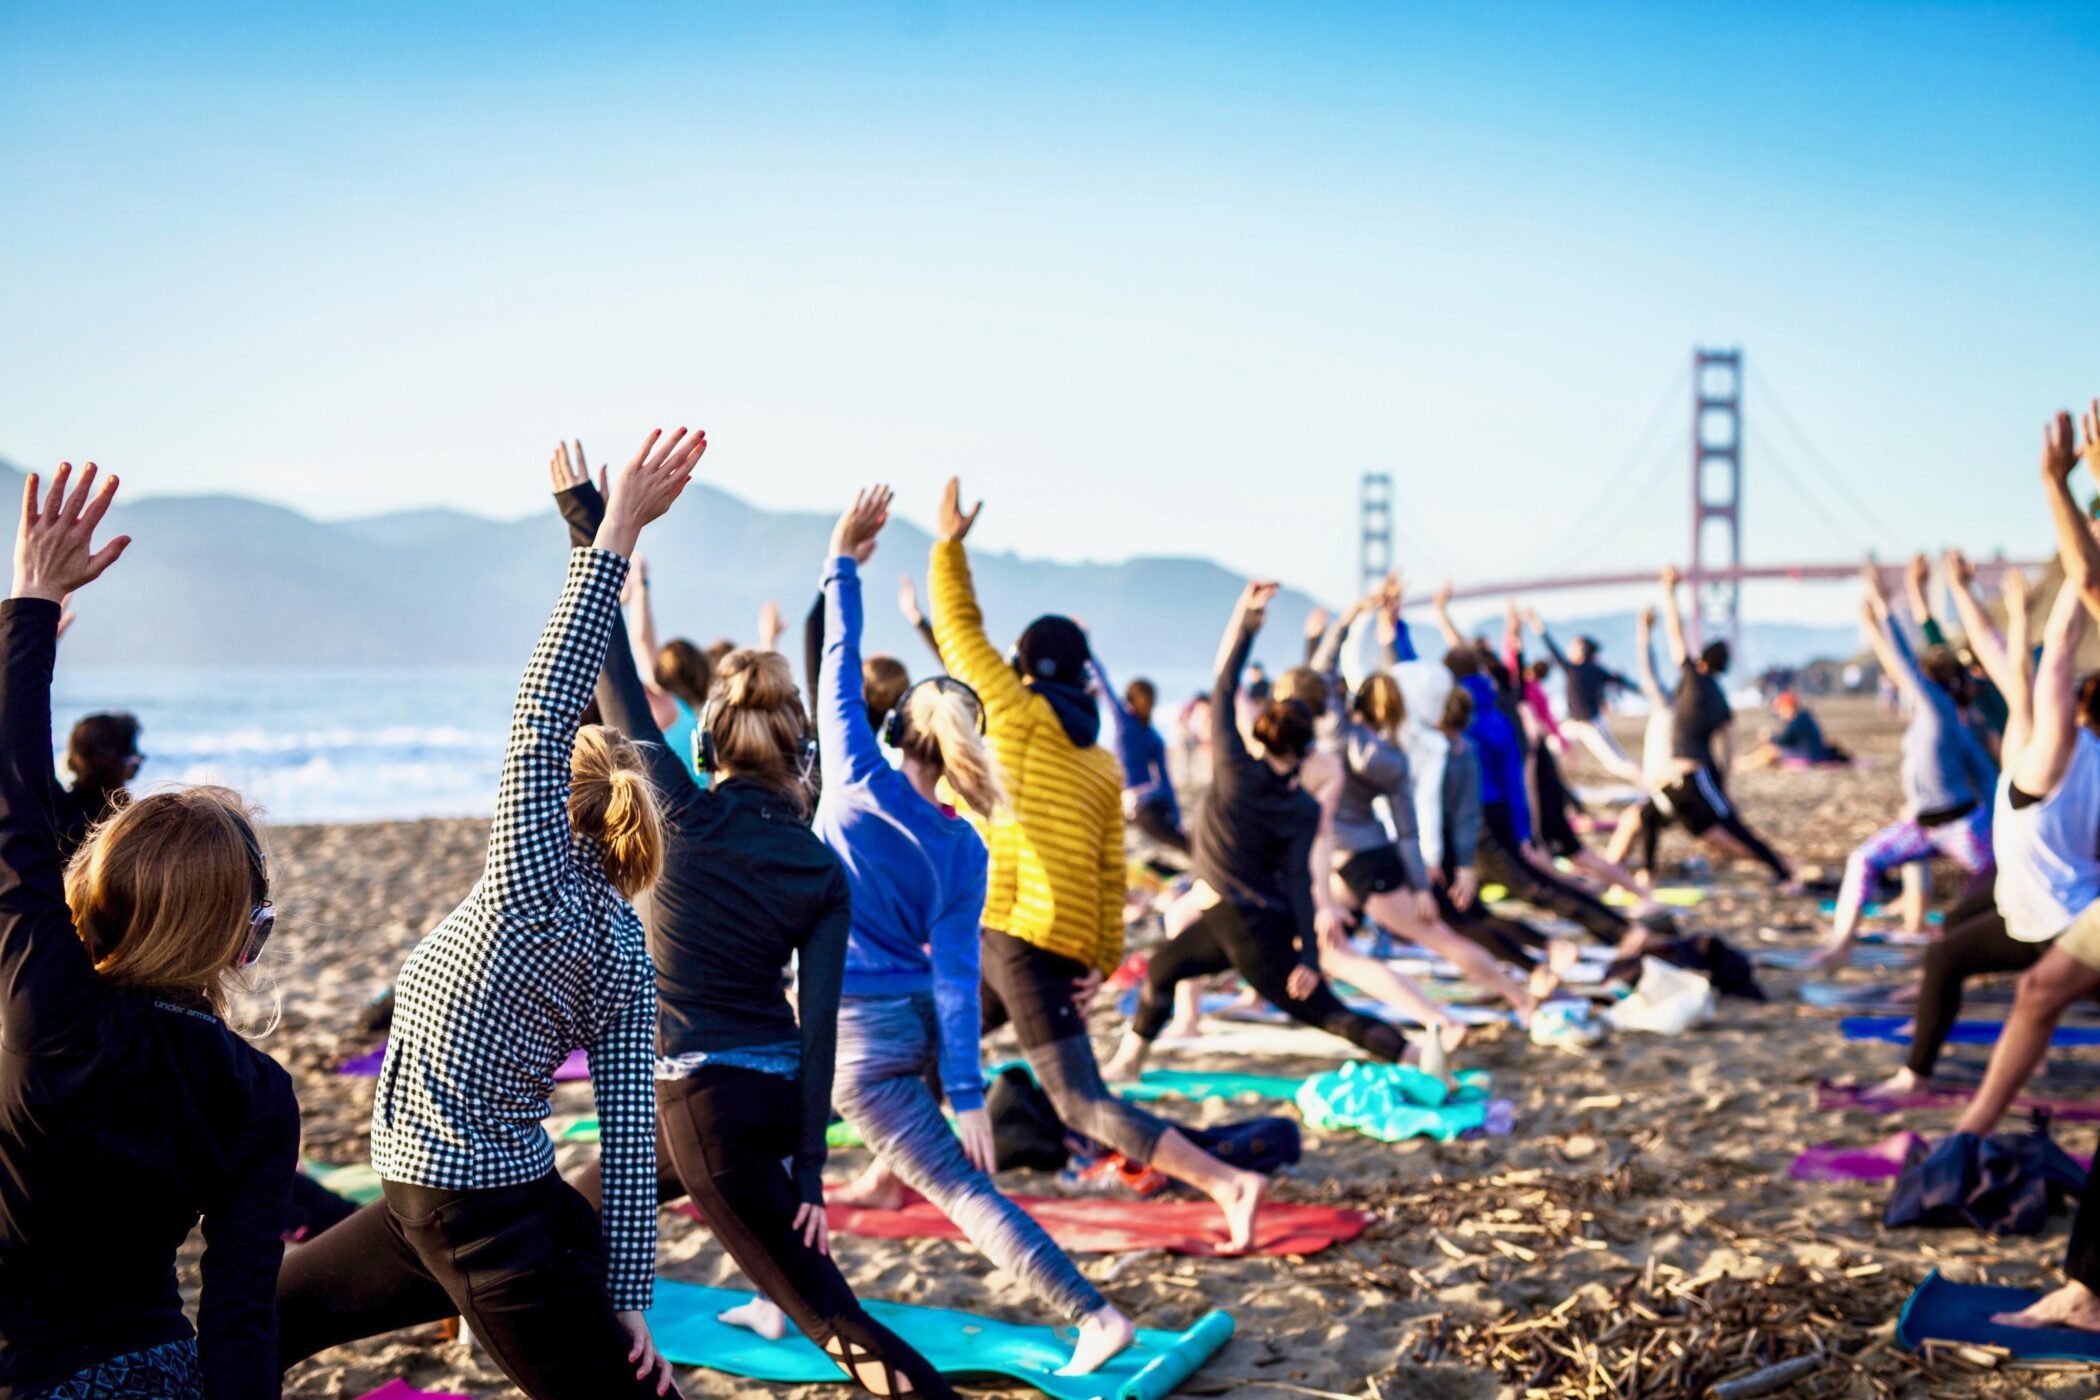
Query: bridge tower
(1375, 513)
(1717, 494)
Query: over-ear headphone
(893, 722)
(704, 744)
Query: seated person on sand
(1798, 742)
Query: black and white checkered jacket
(543, 957)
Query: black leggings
(1501, 860)
(1033, 988)
(722, 1137)
(524, 1265)
(1509, 940)
(1972, 947)
(1257, 944)
(1158, 821)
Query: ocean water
(312, 746)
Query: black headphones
(704, 744)
(262, 918)
(893, 722)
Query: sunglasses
(262, 922)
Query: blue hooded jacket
(1501, 754)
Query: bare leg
(1917, 895)
(1624, 835)
(2045, 991)
(1188, 1009)
(1611, 872)
(1343, 961)
(1395, 911)
(1238, 1193)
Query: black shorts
(1697, 802)
(1376, 871)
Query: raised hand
(1958, 568)
(1442, 597)
(2059, 448)
(1877, 590)
(770, 626)
(1254, 603)
(567, 471)
(857, 529)
(1669, 577)
(908, 600)
(1534, 621)
(1646, 616)
(54, 544)
(637, 579)
(953, 524)
(2090, 422)
(2013, 583)
(648, 486)
(1917, 572)
(1316, 624)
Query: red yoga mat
(1094, 1225)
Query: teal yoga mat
(1942, 1310)
(957, 1343)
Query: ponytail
(611, 802)
(757, 726)
(941, 729)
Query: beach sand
(1649, 1170)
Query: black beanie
(1052, 648)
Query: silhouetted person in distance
(102, 755)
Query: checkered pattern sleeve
(622, 1060)
(529, 864)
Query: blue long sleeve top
(1944, 767)
(1501, 755)
(1138, 746)
(915, 869)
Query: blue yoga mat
(1942, 1310)
(1896, 1031)
(1861, 955)
(956, 1343)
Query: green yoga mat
(357, 1182)
(957, 1343)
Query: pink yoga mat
(1091, 1225)
(367, 1066)
(402, 1390)
(1831, 1096)
(1839, 1161)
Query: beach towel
(1395, 1102)
(1896, 1031)
(2004, 1184)
(402, 1390)
(366, 1066)
(1946, 1311)
(1831, 1095)
(1840, 1161)
(956, 1343)
(1103, 1225)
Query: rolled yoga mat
(1837, 1096)
(956, 1343)
(1896, 1031)
(1945, 1311)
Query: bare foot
(1128, 1063)
(1102, 1334)
(2073, 1305)
(760, 1315)
(1241, 1201)
(877, 1188)
(1183, 1029)
(1903, 1081)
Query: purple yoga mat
(367, 1066)
(1831, 1096)
(1838, 1161)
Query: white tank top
(2049, 851)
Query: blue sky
(1154, 279)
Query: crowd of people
(755, 904)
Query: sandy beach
(1639, 1220)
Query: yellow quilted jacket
(1057, 874)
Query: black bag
(2004, 1184)
(1026, 1131)
(1262, 1145)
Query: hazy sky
(1154, 279)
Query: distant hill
(225, 581)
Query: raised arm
(1916, 575)
(582, 506)
(1891, 647)
(1247, 616)
(1673, 621)
(958, 624)
(850, 749)
(2075, 545)
(528, 864)
(908, 604)
(1976, 624)
(49, 990)
(2053, 734)
(1644, 643)
(1440, 604)
(1538, 625)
